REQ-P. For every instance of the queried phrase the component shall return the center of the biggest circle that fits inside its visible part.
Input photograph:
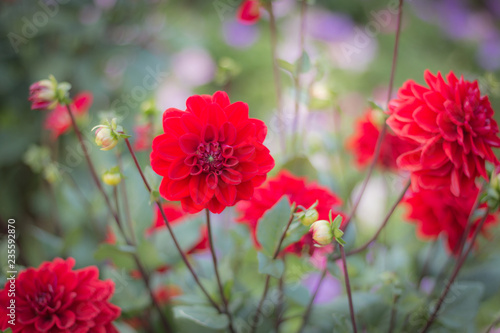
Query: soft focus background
(129, 52)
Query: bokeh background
(109, 47)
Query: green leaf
(272, 225)
(120, 255)
(303, 64)
(337, 222)
(149, 256)
(461, 305)
(302, 167)
(187, 234)
(296, 231)
(202, 315)
(375, 106)
(285, 65)
(269, 266)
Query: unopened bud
(112, 177)
(322, 232)
(46, 94)
(310, 216)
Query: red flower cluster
(54, 298)
(249, 12)
(298, 191)
(454, 127)
(439, 212)
(58, 120)
(364, 141)
(211, 155)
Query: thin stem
(300, 65)
(307, 313)
(171, 232)
(459, 247)
(348, 288)
(280, 305)
(384, 127)
(493, 324)
(163, 319)
(375, 155)
(126, 208)
(430, 254)
(277, 77)
(454, 275)
(216, 269)
(382, 226)
(268, 278)
(392, 322)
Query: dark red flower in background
(211, 155)
(298, 191)
(143, 137)
(454, 127)
(55, 298)
(364, 141)
(249, 12)
(439, 212)
(58, 120)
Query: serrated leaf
(269, 266)
(202, 315)
(272, 225)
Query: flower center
(211, 158)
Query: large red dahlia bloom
(454, 127)
(55, 298)
(298, 191)
(439, 212)
(58, 120)
(211, 155)
(364, 141)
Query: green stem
(216, 269)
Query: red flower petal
(226, 194)
(199, 190)
(189, 143)
(231, 176)
(178, 169)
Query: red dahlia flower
(54, 298)
(211, 155)
(58, 120)
(298, 191)
(454, 127)
(439, 212)
(364, 141)
(248, 12)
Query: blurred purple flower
(330, 289)
(328, 26)
(427, 285)
(194, 67)
(488, 55)
(239, 35)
